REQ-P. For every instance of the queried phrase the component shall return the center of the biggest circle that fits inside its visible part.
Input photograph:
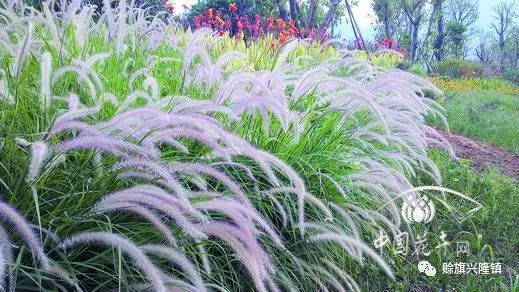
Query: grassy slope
(489, 112)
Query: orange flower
(219, 21)
(281, 23)
(283, 37)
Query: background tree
(465, 12)
(484, 49)
(414, 11)
(247, 8)
(456, 37)
(439, 47)
(389, 17)
(282, 9)
(504, 17)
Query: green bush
(512, 75)
(459, 68)
(418, 69)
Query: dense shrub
(512, 75)
(459, 68)
(418, 69)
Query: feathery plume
(138, 257)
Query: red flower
(233, 8)
(209, 13)
(169, 6)
(198, 21)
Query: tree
(247, 8)
(484, 50)
(435, 21)
(465, 12)
(311, 20)
(329, 17)
(504, 16)
(282, 10)
(414, 11)
(293, 9)
(389, 16)
(456, 32)
(439, 47)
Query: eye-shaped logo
(426, 268)
(418, 209)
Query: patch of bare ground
(483, 155)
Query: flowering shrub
(390, 44)
(387, 53)
(239, 26)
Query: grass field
(487, 111)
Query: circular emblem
(418, 209)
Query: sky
(365, 16)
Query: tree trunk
(312, 11)
(282, 10)
(436, 11)
(414, 41)
(332, 8)
(439, 49)
(386, 26)
(413, 11)
(293, 9)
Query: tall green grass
(485, 115)
(302, 121)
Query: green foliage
(384, 60)
(418, 69)
(456, 33)
(512, 75)
(459, 68)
